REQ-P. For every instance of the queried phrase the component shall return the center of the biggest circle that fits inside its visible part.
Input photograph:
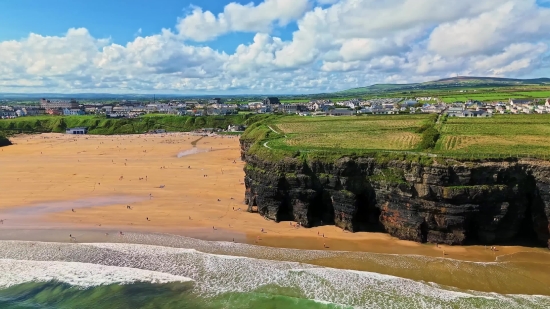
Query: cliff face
(455, 203)
(4, 141)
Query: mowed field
(501, 135)
(385, 132)
(496, 137)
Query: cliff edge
(449, 202)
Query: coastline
(49, 175)
(514, 275)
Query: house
(33, 111)
(341, 112)
(236, 128)
(77, 130)
(53, 111)
(409, 103)
(72, 112)
(289, 108)
(469, 113)
(520, 102)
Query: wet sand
(87, 182)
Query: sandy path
(49, 174)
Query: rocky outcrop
(4, 141)
(453, 203)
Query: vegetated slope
(454, 82)
(101, 125)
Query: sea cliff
(443, 201)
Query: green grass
(104, 126)
(499, 136)
(401, 137)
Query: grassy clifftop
(101, 125)
(415, 137)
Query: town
(327, 107)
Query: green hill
(447, 83)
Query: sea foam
(77, 274)
(216, 274)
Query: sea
(167, 271)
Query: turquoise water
(130, 275)
(141, 295)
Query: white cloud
(203, 26)
(347, 44)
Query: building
(73, 112)
(341, 112)
(289, 108)
(77, 130)
(271, 100)
(47, 104)
(469, 113)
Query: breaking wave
(212, 275)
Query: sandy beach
(176, 183)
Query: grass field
(499, 137)
(519, 135)
(399, 132)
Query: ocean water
(141, 275)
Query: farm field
(390, 132)
(501, 135)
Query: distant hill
(453, 82)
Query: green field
(499, 137)
(368, 132)
(502, 135)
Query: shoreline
(527, 278)
(66, 183)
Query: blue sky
(264, 46)
(119, 20)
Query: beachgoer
(72, 209)
(147, 218)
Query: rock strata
(453, 203)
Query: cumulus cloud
(337, 45)
(203, 26)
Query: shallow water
(191, 151)
(124, 275)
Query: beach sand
(174, 183)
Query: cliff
(4, 141)
(452, 202)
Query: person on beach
(72, 210)
(147, 218)
(2, 221)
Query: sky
(264, 46)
